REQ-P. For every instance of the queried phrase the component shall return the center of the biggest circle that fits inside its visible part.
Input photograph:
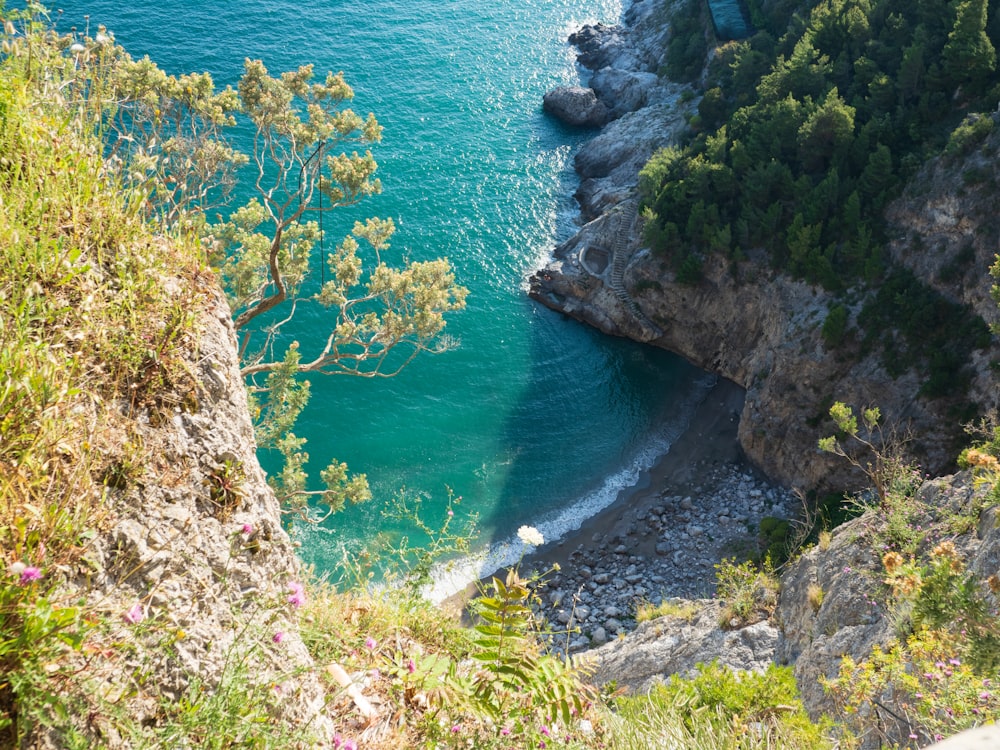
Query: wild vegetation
(102, 262)
(805, 132)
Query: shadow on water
(612, 417)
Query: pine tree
(969, 56)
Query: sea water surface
(534, 418)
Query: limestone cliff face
(761, 330)
(945, 229)
(832, 603)
(854, 613)
(196, 578)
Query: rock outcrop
(832, 603)
(675, 645)
(575, 105)
(761, 329)
(852, 614)
(193, 564)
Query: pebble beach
(700, 503)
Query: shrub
(835, 326)
(749, 593)
(940, 680)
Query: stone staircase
(619, 259)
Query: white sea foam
(453, 576)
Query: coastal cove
(533, 419)
(711, 494)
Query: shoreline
(661, 539)
(715, 419)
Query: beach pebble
(613, 624)
(599, 636)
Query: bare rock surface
(854, 613)
(575, 105)
(200, 583)
(675, 645)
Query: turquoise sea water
(535, 419)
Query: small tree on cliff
(166, 135)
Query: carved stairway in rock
(619, 259)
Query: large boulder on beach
(576, 105)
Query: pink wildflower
(29, 574)
(411, 667)
(370, 643)
(456, 729)
(248, 528)
(505, 731)
(278, 637)
(298, 597)
(544, 730)
(134, 615)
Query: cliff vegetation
(149, 595)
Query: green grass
(717, 709)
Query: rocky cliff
(193, 570)
(833, 603)
(745, 322)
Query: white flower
(530, 536)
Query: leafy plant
(749, 593)
(879, 457)
(512, 670)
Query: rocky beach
(700, 503)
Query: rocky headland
(755, 437)
(745, 322)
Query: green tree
(168, 137)
(380, 316)
(969, 56)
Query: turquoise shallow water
(535, 418)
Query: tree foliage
(816, 121)
(168, 138)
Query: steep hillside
(914, 341)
